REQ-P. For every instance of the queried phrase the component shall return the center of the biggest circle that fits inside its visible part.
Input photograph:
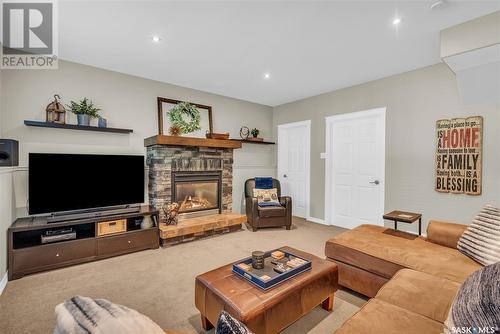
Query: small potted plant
(255, 132)
(84, 111)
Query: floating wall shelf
(255, 142)
(75, 127)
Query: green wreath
(177, 113)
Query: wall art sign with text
(459, 155)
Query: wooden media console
(95, 238)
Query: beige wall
(6, 213)
(471, 35)
(414, 101)
(6, 204)
(127, 102)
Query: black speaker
(9, 152)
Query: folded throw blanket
(263, 182)
(83, 315)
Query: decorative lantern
(56, 112)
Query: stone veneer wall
(162, 160)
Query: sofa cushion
(476, 303)
(384, 251)
(420, 293)
(271, 211)
(266, 197)
(481, 240)
(360, 280)
(445, 233)
(377, 316)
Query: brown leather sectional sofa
(413, 279)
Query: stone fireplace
(198, 178)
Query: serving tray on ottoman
(267, 277)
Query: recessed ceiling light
(396, 21)
(267, 75)
(156, 39)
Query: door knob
(284, 175)
(375, 182)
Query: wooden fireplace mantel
(191, 141)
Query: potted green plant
(84, 111)
(255, 132)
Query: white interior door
(293, 164)
(355, 168)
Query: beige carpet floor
(160, 283)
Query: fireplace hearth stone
(201, 227)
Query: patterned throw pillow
(229, 325)
(475, 308)
(267, 197)
(84, 315)
(481, 239)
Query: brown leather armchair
(270, 216)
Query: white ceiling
(308, 47)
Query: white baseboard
(316, 220)
(3, 282)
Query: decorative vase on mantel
(83, 119)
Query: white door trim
(329, 120)
(307, 124)
(294, 124)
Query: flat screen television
(69, 182)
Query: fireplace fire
(195, 203)
(198, 192)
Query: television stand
(78, 240)
(60, 217)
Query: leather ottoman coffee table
(266, 312)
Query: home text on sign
(459, 155)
